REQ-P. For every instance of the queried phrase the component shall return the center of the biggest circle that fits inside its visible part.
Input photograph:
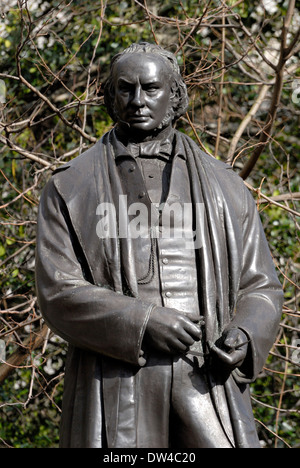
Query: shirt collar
(121, 147)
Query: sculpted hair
(179, 95)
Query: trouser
(173, 408)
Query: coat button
(132, 168)
(165, 261)
(142, 194)
(168, 294)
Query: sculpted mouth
(139, 116)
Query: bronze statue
(152, 264)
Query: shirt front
(154, 159)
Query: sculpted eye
(124, 87)
(152, 88)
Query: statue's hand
(170, 331)
(233, 349)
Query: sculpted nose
(138, 97)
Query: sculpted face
(142, 92)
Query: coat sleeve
(87, 316)
(260, 298)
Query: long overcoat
(88, 294)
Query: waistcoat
(165, 257)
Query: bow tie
(151, 148)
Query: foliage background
(240, 60)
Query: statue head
(145, 90)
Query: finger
(171, 347)
(232, 359)
(184, 340)
(225, 357)
(175, 347)
(189, 340)
(181, 347)
(195, 318)
(193, 330)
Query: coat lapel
(83, 200)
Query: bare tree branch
(279, 69)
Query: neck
(126, 134)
